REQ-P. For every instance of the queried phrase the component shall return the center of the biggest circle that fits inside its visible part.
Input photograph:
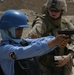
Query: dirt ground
(35, 5)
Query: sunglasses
(55, 11)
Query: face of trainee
(55, 13)
(18, 32)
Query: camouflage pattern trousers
(64, 71)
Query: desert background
(31, 4)
(32, 8)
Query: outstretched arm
(37, 47)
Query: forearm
(51, 43)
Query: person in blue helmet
(17, 54)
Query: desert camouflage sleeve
(38, 29)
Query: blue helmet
(13, 18)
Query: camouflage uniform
(45, 26)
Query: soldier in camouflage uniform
(48, 24)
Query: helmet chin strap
(11, 32)
(14, 38)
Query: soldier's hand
(63, 61)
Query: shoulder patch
(12, 55)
